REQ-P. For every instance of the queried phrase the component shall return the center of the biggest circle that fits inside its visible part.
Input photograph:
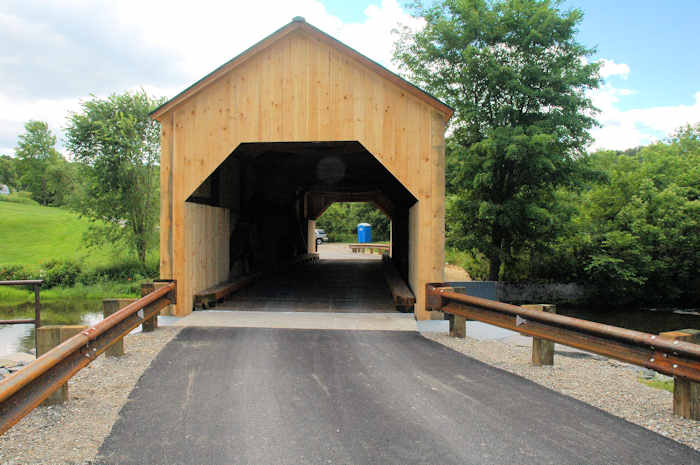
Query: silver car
(321, 236)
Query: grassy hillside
(31, 235)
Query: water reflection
(646, 320)
(21, 338)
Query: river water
(20, 338)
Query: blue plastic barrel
(364, 233)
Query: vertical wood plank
(300, 88)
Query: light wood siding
(207, 251)
(303, 88)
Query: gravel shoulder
(76, 430)
(604, 383)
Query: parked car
(321, 236)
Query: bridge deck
(338, 285)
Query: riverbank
(72, 433)
(607, 384)
(11, 296)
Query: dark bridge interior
(276, 190)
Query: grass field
(31, 235)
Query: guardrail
(36, 284)
(361, 248)
(670, 357)
(24, 390)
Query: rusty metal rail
(670, 357)
(36, 284)
(27, 388)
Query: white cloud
(56, 53)
(20, 110)
(610, 68)
(59, 52)
(623, 129)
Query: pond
(20, 338)
(647, 320)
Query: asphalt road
(277, 396)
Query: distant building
(4, 190)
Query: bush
(60, 273)
(472, 261)
(124, 271)
(19, 197)
(14, 273)
(68, 273)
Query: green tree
(8, 172)
(340, 221)
(117, 145)
(518, 82)
(634, 235)
(42, 170)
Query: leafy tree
(117, 145)
(634, 235)
(42, 170)
(517, 79)
(8, 172)
(340, 221)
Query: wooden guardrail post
(110, 306)
(48, 337)
(152, 323)
(542, 349)
(458, 325)
(686, 393)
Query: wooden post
(458, 325)
(110, 306)
(542, 349)
(48, 337)
(152, 323)
(686, 393)
(311, 237)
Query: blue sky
(658, 40)
(55, 53)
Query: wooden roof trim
(297, 24)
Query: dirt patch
(456, 273)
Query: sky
(55, 54)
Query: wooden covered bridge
(253, 153)
(251, 156)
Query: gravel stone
(72, 433)
(604, 383)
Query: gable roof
(299, 23)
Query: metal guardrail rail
(670, 357)
(24, 390)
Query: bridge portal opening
(269, 197)
(339, 222)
